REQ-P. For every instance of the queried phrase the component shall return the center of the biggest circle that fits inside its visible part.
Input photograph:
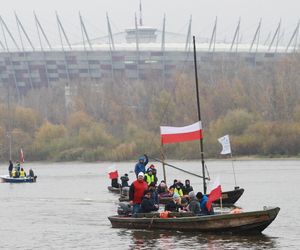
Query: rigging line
(180, 169)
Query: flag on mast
(22, 156)
(181, 134)
(225, 142)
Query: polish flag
(181, 134)
(22, 156)
(113, 172)
(215, 193)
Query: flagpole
(199, 117)
(163, 162)
(233, 171)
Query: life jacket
(149, 178)
(14, 172)
(139, 188)
(178, 191)
(22, 173)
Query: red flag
(21, 156)
(113, 172)
(215, 193)
(181, 134)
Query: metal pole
(233, 170)
(199, 116)
(163, 162)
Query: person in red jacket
(136, 192)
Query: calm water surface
(68, 207)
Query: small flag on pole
(22, 156)
(215, 193)
(225, 142)
(113, 172)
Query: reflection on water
(160, 239)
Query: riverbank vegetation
(258, 106)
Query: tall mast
(199, 117)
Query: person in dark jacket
(162, 188)
(124, 180)
(10, 168)
(154, 194)
(194, 205)
(136, 192)
(187, 187)
(140, 166)
(147, 204)
(174, 204)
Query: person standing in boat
(10, 168)
(187, 187)
(203, 204)
(136, 192)
(150, 178)
(154, 172)
(147, 204)
(141, 165)
(124, 180)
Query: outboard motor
(124, 209)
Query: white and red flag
(113, 172)
(22, 159)
(215, 193)
(181, 134)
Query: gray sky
(121, 13)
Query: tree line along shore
(117, 120)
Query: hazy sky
(121, 13)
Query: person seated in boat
(147, 204)
(178, 189)
(162, 188)
(194, 205)
(124, 180)
(203, 204)
(140, 166)
(187, 187)
(174, 204)
(150, 178)
(154, 172)
(22, 173)
(115, 183)
(10, 168)
(154, 194)
(174, 183)
(31, 173)
(136, 192)
(184, 204)
(14, 173)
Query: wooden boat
(242, 223)
(17, 180)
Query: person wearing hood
(187, 187)
(136, 192)
(124, 180)
(148, 204)
(140, 166)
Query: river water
(67, 207)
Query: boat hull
(18, 180)
(247, 222)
